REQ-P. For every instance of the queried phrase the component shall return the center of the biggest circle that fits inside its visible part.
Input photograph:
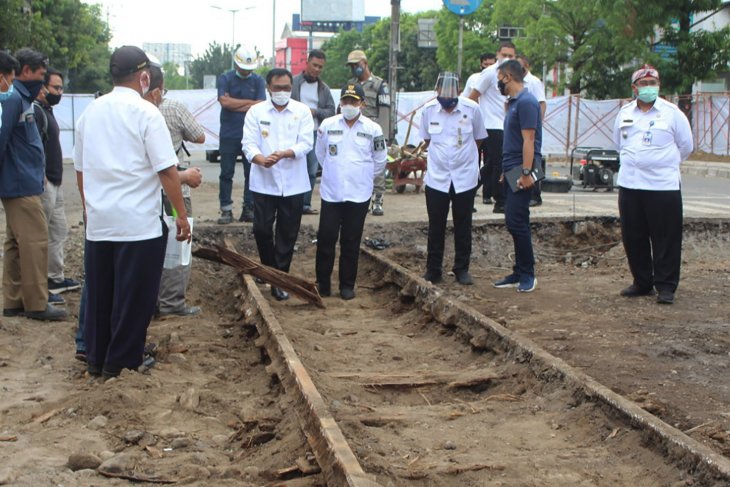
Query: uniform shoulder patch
(379, 143)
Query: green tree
(418, 67)
(71, 33)
(173, 79)
(215, 61)
(479, 37)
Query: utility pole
(393, 62)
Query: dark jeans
(276, 250)
(651, 229)
(485, 171)
(123, 280)
(81, 330)
(230, 149)
(312, 166)
(345, 220)
(494, 162)
(437, 206)
(517, 219)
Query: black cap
(127, 60)
(353, 91)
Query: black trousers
(494, 160)
(437, 206)
(122, 282)
(651, 229)
(276, 249)
(484, 171)
(345, 220)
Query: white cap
(154, 61)
(245, 58)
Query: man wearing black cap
(123, 158)
(351, 148)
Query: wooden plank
(339, 464)
(453, 380)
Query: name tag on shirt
(363, 134)
(334, 132)
(265, 122)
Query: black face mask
(33, 87)
(52, 99)
(502, 87)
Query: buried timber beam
(485, 333)
(338, 462)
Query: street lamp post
(233, 28)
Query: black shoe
(665, 297)
(434, 277)
(11, 312)
(535, 202)
(93, 370)
(246, 215)
(80, 355)
(57, 287)
(633, 291)
(463, 277)
(487, 200)
(498, 208)
(474, 209)
(110, 372)
(279, 294)
(226, 217)
(51, 313)
(186, 311)
(324, 290)
(347, 293)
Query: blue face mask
(648, 94)
(447, 103)
(4, 95)
(357, 71)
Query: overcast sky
(197, 23)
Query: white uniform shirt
(452, 154)
(122, 142)
(470, 85)
(652, 145)
(494, 101)
(535, 87)
(267, 130)
(350, 158)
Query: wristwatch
(526, 172)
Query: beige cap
(356, 56)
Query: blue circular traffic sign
(462, 7)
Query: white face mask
(144, 83)
(349, 111)
(280, 98)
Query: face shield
(447, 85)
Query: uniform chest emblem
(333, 149)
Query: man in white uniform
(121, 193)
(653, 137)
(453, 130)
(352, 150)
(486, 87)
(277, 135)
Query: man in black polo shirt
(52, 197)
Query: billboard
(333, 10)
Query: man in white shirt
(352, 150)
(485, 60)
(453, 129)
(536, 88)
(121, 193)
(653, 137)
(486, 87)
(309, 89)
(277, 135)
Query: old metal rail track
(340, 466)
